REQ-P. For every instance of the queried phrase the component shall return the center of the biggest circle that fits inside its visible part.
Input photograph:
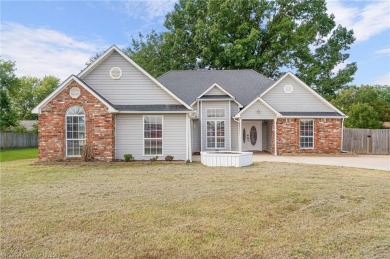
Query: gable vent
(74, 92)
(288, 89)
(115, 73)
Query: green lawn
(268, 210)
(18, 154)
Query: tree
(362, 115)
(152, 50)
(7, 116)
(8, 78)
(30, 93)
(267, 36)
(366, 106)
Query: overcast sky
(58, 37)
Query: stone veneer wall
(327, 136)
(100, 126)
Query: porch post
(240, 135)
(275, 138)
(189, 137)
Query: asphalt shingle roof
(156, 107)
(314, 114)
(244, 85)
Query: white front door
(251, 136)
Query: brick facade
(100, 126)
(327, 136)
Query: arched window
(75, 131)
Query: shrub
(128, 157)
(153, 159)
(168, 158)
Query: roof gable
(134, 87)
(257, 108)
(301, 99)
(59, 89)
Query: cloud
(147, 10)
(383, 79)
(42, 51)
(384, 52)
(366, 21)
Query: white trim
(313, 117)
(240, 135)
(37, 109)
(66, 130)
(288, 89)
(275, 137)
(220, 88)
(224, 112)
(304, 86)
(115, 48)
(342, 135)
(201, 126)
(153, 112)
(261, 101)
(188, 138)
(162, 136)
(216, 136)
(299, 128)
(120, 73)
(230, 126)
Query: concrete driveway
(378, 162)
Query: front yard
(268, 210)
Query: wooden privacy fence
(18, 140)
(367, 141)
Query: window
(306, 134)
(153, 131)
(75, 131)
(215, 113)
(215, 134)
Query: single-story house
(115, 107)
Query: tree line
(19, 95)
(271, 37)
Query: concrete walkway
(379, 162)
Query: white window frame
(215, 112)
(162, 135)
(216, 135)
(300, 137)
(66, 130)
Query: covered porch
(255, 135)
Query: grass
(267, 210)
(18, 154)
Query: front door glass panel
(253, 135)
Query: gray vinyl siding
(132, 88)
(252, 114)
(204, 119)
(215, 91)
(235, 133)
(129, 136)
(264, 137)
(268, 141)
(234, 108)
(196, 136)
(300, 100)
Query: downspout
(240, 136)
(239, 133)
(342, 137)
(230, 126)
(189, 138)
(275, 138)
